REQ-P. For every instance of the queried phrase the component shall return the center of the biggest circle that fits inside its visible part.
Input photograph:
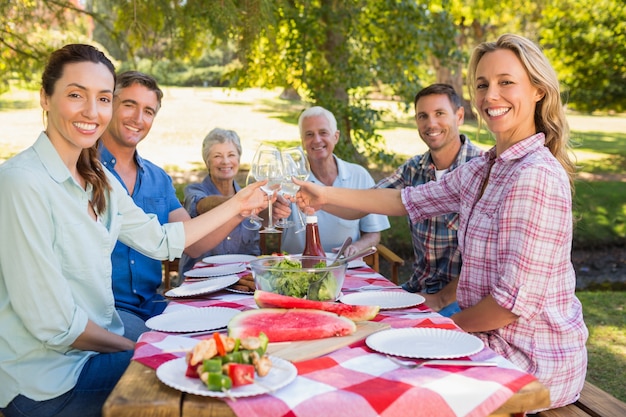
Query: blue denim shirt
(136, 277)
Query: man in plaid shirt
(438, 113)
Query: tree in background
(335, 53)
(586, 42)
(30, 31)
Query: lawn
(258, 115)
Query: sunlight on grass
(605, 316)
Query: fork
(412, 365)
(373, 288)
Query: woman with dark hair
(517, 284)
(62, 348)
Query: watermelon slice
(266, 299)
(285, 325)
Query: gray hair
(317, 111)
(216, 136)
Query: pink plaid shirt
(515, 242)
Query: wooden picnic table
(140, 393)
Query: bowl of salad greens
(310, 277)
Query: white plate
(386, 300)
(202, 287)
(215, 271)
(192, 319)
(425, 343)
(238, 291)
(172, 374)
(228, 259)
(357, 263)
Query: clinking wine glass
(298, 167)
(289, 189)
(252, 222)
(269, 166)
(255, 222)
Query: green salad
(288, 278)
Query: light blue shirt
(334, 230)
(55, 268)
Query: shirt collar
(109, 160)
(520, 149)
(51, 159)
(426, 162)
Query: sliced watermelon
(266, 299)
(284, 325)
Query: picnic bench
(593, 402)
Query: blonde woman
(516, 288)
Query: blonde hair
(549, 112)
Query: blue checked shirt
(437, 257)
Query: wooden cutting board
(309, 349)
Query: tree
(30, 30)
(335, 52)
(586, 42)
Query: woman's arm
(241, 204)
(484, 316)
(349, 203)
(100, 340)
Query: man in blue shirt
(136, 278)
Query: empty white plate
(215, 271)
(426, 343)
(228, 258)
(202, 287)
(192, 319)
(386, 300)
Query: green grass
(600, 210)
(605, 316)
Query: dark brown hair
(439, 88)
(88, 164)
(129, 78)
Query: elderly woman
(221, 152)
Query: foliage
(586, 41)
(605, 316)
(601, 212)
(29, 31)
(334, 53)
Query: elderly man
(319, 135)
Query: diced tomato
(241, 374)
(221, 350)
(192, 371)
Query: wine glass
(269, 166)
(288, 188)
(296, 165)
(253, 221)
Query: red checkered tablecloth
(355, 380)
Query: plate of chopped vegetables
(224, 367)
